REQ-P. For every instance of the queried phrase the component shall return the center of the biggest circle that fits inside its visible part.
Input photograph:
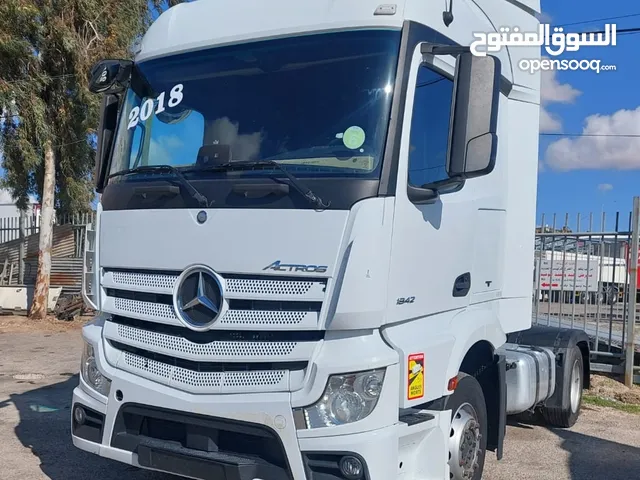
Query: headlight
(347, 398)
(90, 373)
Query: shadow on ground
(45, 428)
(592, 458)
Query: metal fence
(10, 226)
(19, 250)
(584, 277)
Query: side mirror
(110, 76)
(473, 143)
(106, 133)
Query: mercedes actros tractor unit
(313, 248)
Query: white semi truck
(313, 247)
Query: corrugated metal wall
(65, 273)
(66, 261)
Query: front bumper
(134, 424)
(377, 448)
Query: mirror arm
(437, 49)
(422, 195)
(446, 183)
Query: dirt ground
(22, 324)
(39, 368)
(609, 389)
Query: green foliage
(47, 48)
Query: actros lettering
(278, 266)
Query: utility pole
(22, 248)
(630, 347)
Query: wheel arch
(481, 362)
(480, 354)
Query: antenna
(447, 15)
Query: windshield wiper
(305, 191)
(200, 198)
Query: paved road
(34, 428)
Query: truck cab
(314, 237)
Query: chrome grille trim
(236, 287)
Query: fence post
(633, 292)
(22, 248)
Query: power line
(599, 20)
(618, 32)
(622, 135)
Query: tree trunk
(23, 246)
(39, 306)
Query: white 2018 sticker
(144, 112)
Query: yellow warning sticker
(416, 376)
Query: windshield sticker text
(142, 114)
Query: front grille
(195, 381)
(263, 343)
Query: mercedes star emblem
(198, 298)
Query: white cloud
(552, 91)
(549, 123)
(602, 151)
(605, 187)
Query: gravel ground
(34, 424)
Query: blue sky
(592, 174)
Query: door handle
(462, 285)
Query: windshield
(318, 104)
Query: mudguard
(496, 399)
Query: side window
(429, 134)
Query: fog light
(79, 415)
(351, 468)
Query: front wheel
(468, 434)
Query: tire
(572, 385)
(468, 420)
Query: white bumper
(375, 439)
